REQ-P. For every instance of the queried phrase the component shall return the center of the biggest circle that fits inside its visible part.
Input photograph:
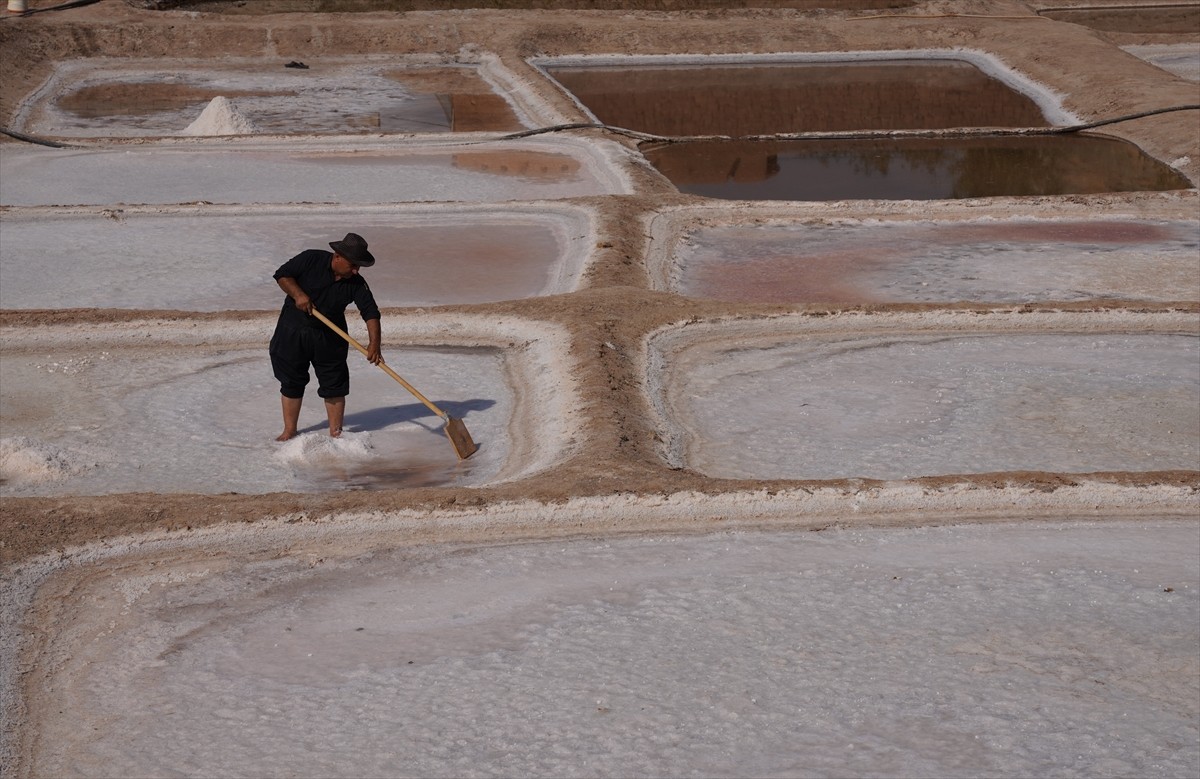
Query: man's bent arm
(298, 296)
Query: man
(328, 282)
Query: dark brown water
(911, 169)
(1177, 19)
(760, 99)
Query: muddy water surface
(1170, 18)
(911, 168)
(792, 98)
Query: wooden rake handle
(386, 369)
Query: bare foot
(286, 436)
(336, 433)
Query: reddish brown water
(911, 169)
(788, 98)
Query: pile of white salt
(220, 117)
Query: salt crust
(535, 354)
(346, 535)
(24, 459)
(606, 161)
(661, 346)
(667, 228)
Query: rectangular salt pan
(938, 262)
(123, 98)
(903, 406)
(203, 420)
(225, 261)
(974, 650)
(172, 175)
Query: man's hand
(298, 296)
(374, 350)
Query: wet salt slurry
(932, 652)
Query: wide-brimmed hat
(353, 248)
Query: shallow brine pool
(902, 406)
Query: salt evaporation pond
(203, 419)
(261, 172)
(223, 259)
(902, 405)
(121, 98)
(993, 260)
(987, 650)
(911, 168)
(763, 98)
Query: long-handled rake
(456, 431)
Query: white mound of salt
(311, 448)
(26, 460)
(220, 117)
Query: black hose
(34, 139)
(961, 133)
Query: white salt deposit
(220, 117)
(172, 426)
(25, 460)
(256, 171)
(223, 258)
(317, 447)
(1006, 650)
(903, 405)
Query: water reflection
(911, 168)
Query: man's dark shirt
(311, 270)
